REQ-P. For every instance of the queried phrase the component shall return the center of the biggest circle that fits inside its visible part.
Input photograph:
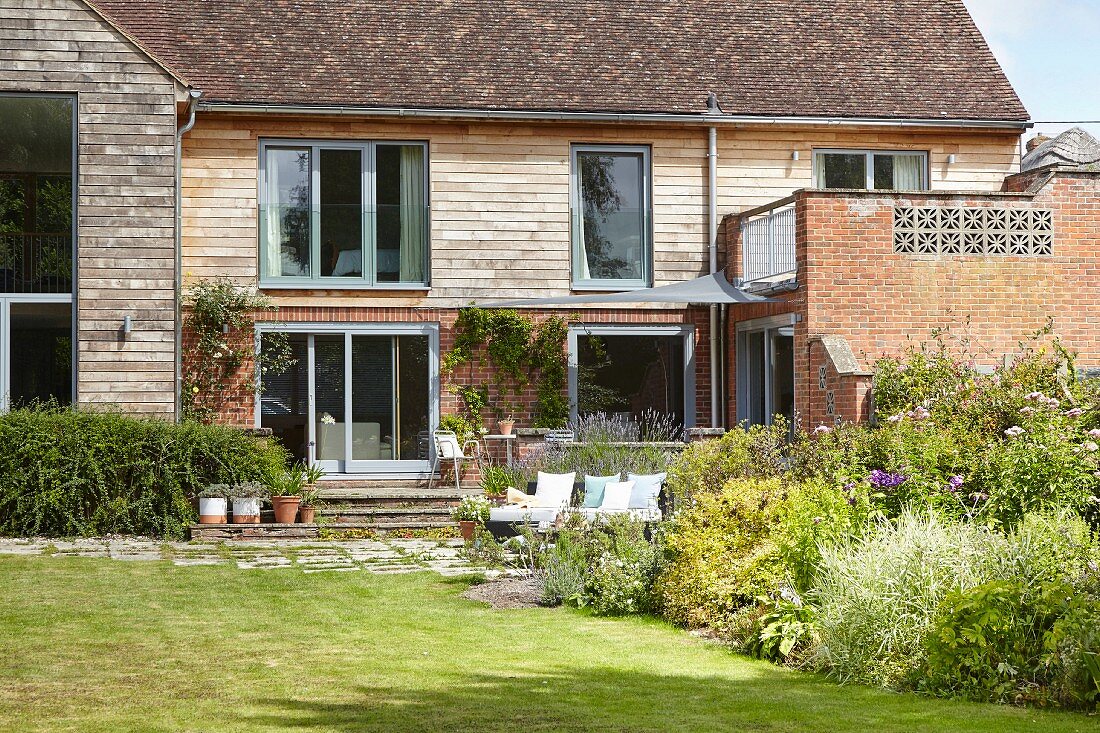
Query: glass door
(765, 361)
(370, 400)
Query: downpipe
(192, 109)
(716, 358)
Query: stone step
(268, 531)
(341, 515)
(391, 494)
(390, 526)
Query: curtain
(907, 172)
(819, 170)
(412, 214)
(273, 231)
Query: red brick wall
(853, 285)
(239, 407)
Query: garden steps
(345, 513)
(269, 531)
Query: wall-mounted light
(225, 328)
(951, 159)
(127, 325)
(795, 155)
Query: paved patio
(373, 555)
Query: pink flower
(895, 418)
(921, 414)
(1026, 410)
(822, 429)
(1075, 412)
(1033, 396)
(1091, 447)
(1095, 433)
(1015, 431)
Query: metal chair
(448, 448)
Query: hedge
(66, 472)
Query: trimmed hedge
(70, 473)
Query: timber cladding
(126, 122)
(499, 192)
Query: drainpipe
(192, 107)
(715, 341)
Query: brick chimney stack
(1036, 141)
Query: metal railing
(768, 243)
(36, 263)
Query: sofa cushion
(616, 495)
(524, 514)
(593, 489)
(646, 489)
(554, 489)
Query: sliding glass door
(359, 401)
(765, 372)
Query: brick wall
(854, 286)
(238, 407)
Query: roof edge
(638, 117)
(141, 47)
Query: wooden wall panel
(500, 193)
(126, 122)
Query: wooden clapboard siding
(500, 193)
(126, 121)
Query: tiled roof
(844, 58)
(1074, 147)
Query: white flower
(327, 419)
(1091, 447)
(895, 418)
(1015, 431)
(822, 429)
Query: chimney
(1036, 141)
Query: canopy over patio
(712, 289)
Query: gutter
(192, 108)
(631, 117)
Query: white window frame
(743, 330)
(869, 178)
(315, 280)
(379, 469)
(577, 209)
(686, 331)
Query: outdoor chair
(448, 448)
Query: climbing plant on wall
(520, 352)
(220, 364)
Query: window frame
(869, 168)
(766, 326)
(575, 209)
(368, 280)
(685, 331)
(7, 299)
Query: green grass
(99, 645)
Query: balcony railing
(768, 243)
(36, 263)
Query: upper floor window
(612, 242)
(344, 214)
(36, 193)
(871, 170)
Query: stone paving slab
(382, 556)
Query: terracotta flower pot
(286, 508)
(506, 426)
(467, 529)
(212, 511)
(306, 514)
(246, 511)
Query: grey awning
(708, 290)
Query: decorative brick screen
(973, 231)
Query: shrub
(1000, 642)
(706, 466)
(876, 597)
(781, 631)
(69, 472)
(725, 549)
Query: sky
(1050, 50)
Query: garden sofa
(596, 498)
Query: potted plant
(212, 501)
(506, 424)
(285, 488)
(246, 502)
(470, 512)
(307, 509)
(495, 481)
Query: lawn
(100, 645)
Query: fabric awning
(707, 290)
